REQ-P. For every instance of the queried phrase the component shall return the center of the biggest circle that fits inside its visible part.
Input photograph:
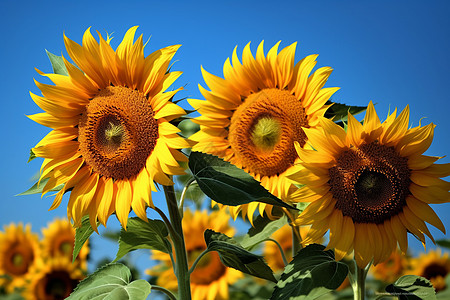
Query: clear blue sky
(391, 52)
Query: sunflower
(390, 270)
(19, 248)
(210, 279)
(112, 136)
(370, 185)
(58, 240)
(434, 266)
(253, 116)
(52, 279)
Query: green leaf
(57, 64)
(227, 184)
(261, 230)
(412, 287)
(82, 234)
(444, 294)
(311, 274)
(339, 112)
(143, 235)
(111, 282)
(444, 243)
(32, 156)
(38, 187)
(233, 255)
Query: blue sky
(391, 53)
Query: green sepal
(32, 156)
(82, 235)
(339, 112)
(443, 243)
(233, 255)
(111, 282)
(227, 184)
(312, 273)
(57, 64)
(38, 187)
(412, 287)
(143, 235)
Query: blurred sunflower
(253, 116)
(370, 185)
(58, 240)
(210, 279)
(52, 279)
(434, 266)
(19, 249)
(283, 236)
(393, 268)
(111, 136)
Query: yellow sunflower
(393, 268)
(210, 279)
(58, 240)
(52, 279)
(253, 116)
(19, 249)
(434, 266)
(370, 185)
(111, 136)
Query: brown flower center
(263, 130)
(56, 285)
(370, 183)
(18, 259)
(208, 269)
(117, 132)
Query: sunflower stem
(165, 291)
(183, 196)
(181, 261)
(283, 256)
(357, 277)
(296, 239)
(197, 260)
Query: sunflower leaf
(338, 112)
(227, 184)
(57, 64)
(412, 287)
(143, 235)
(261, 230)
(111, 282)
(38, 187)
(312, 273)
(233, 255)
(82, 234)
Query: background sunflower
(370, 185)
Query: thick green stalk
(181, 261)
(358, 280)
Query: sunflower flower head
(434, 266)
(19, 250)
(210, 279)
(371, 185)
(111, 135)
(52, 279)
(393, 268)
(58, 240)
(253, 115)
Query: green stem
(358, 280)
(296, 240)
(165, 291)
(281, 251)
(183, 195)
(197, 260)
(181, 261)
